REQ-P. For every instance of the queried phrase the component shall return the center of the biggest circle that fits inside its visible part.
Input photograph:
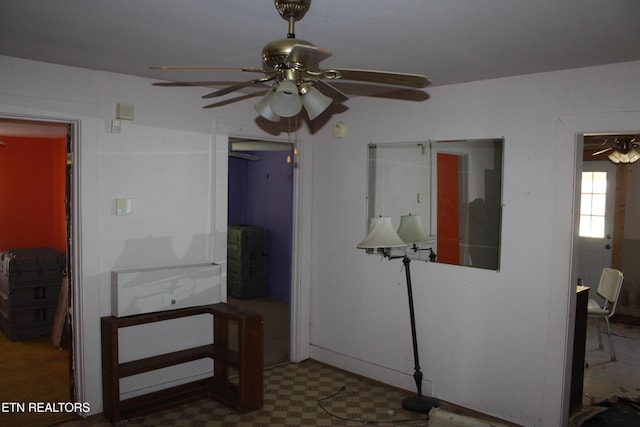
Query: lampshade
(381, 235)
(630, 156)
(411, 229)
(286, 102)
(314, 101)
(264, 109)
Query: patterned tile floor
(291, 394)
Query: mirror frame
(404, 179)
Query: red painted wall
(32, 193)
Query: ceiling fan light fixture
(286, 101)
(630, 156)
(263, 107)
(294, 64)
(314, 101)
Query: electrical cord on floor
(361, 420)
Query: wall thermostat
(124, 111)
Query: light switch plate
(123, 207)
(116, 126)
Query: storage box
(30, 280)
(19, 266)
(249, 254)
(240, 235)
(146, 290)
(28, 317)
(247, 261)
(34, 294)
(23, 332)
(246, 285)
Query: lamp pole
(417, 403)
(383, 237)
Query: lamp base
(421, 404)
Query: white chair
(609, 289)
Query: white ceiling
(450, 41)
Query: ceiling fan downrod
(292, 11)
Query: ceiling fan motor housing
(276, 52)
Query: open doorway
(36, 183)
(605, 237)
(604, 245)
(260, 236)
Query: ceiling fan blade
(239, 86)
(183, 84)
(602, 151)
(205, 67)
(308, 56)
(380, 91)
(383, 77)
(330, 91)
(224, 102)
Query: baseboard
(402, 380)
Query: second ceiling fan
(293, 65)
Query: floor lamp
(381, 238)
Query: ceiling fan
(293, 65)
(625, 149)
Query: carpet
(32, 371)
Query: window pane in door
(585, 225)
(585, 204)
(598, 204)
(587, 181)
(593, 204)
(599, 183)
(597, 226)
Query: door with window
(597, 208)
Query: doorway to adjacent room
(37, 185)
(260, 246)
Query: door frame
(299, 305)
(73, 259)
(570, 132)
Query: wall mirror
(452, 190)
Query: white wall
(170, 161)
(491, 341)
